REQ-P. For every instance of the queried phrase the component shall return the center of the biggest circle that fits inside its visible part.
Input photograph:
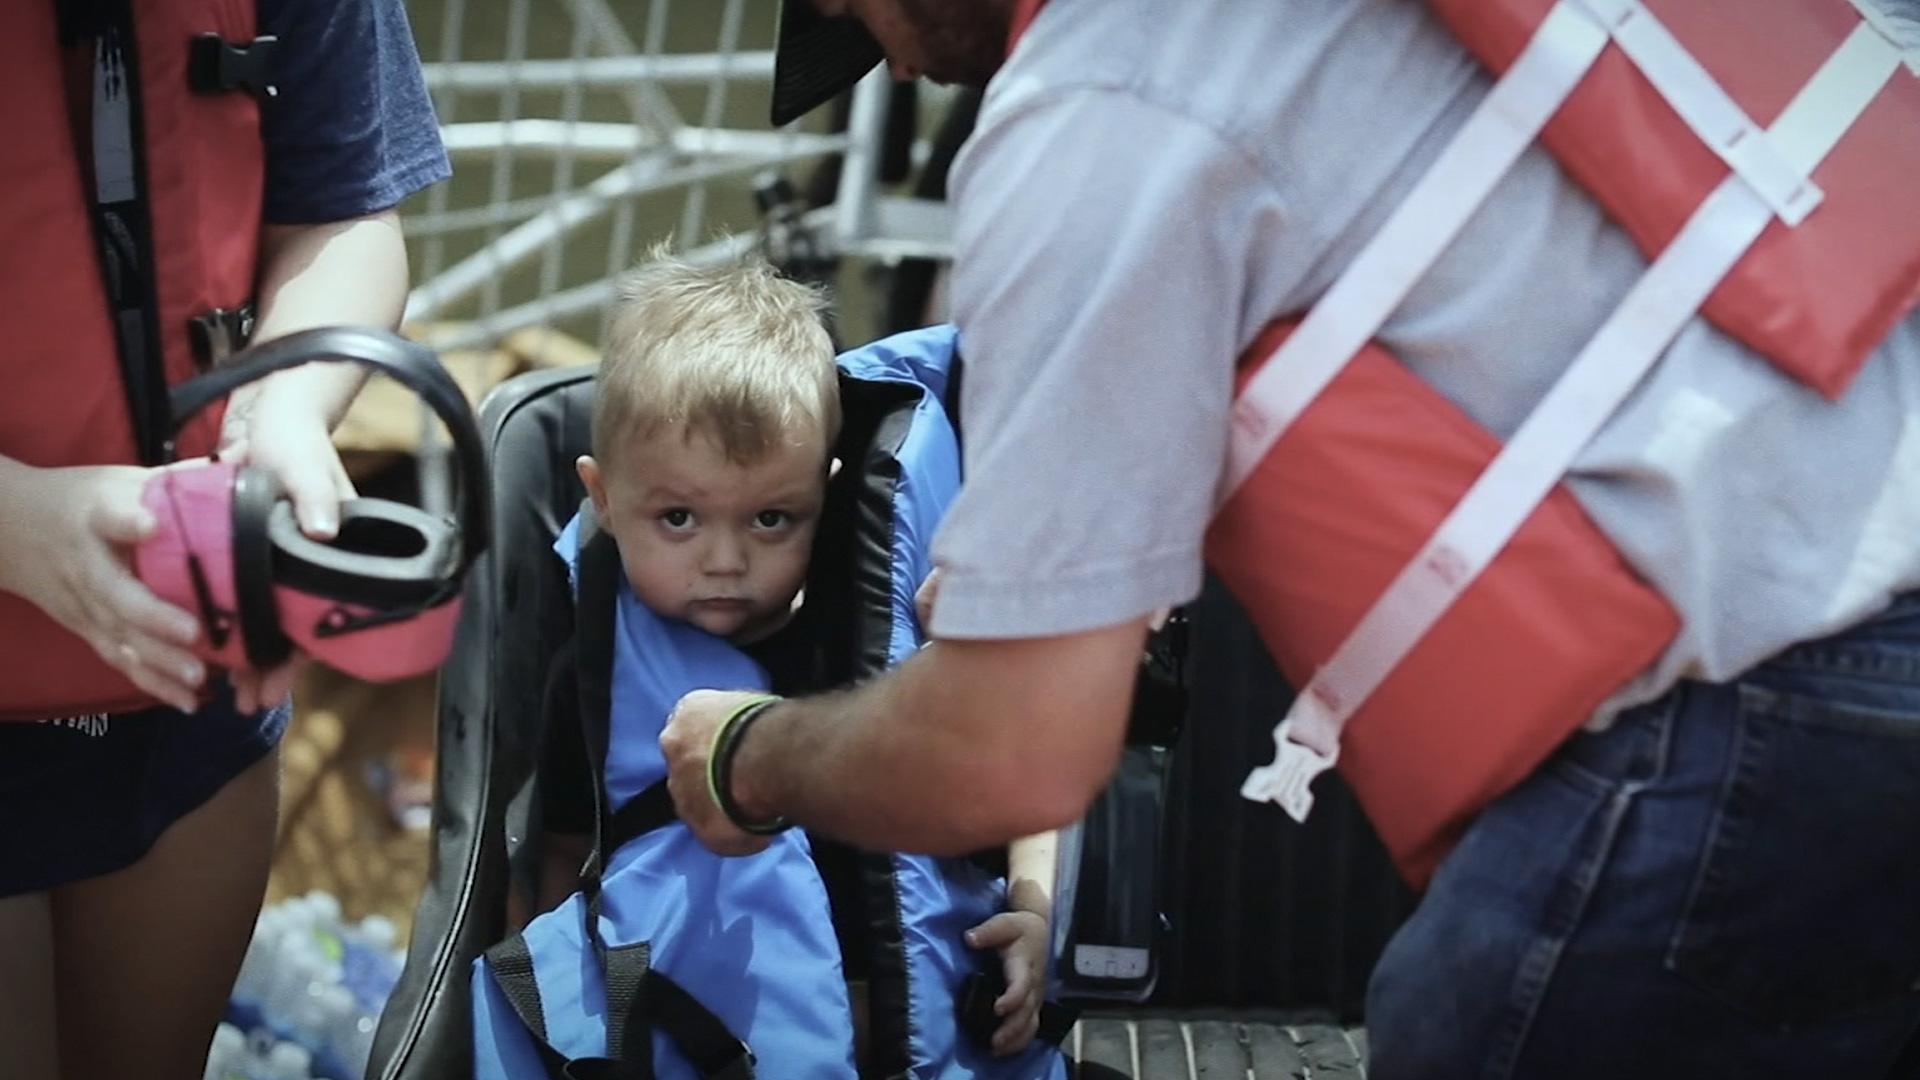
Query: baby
(716, 413)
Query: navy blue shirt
(351, 131)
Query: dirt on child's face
(717, 543)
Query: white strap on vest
(1601, 376)
(1418, 230)
(1708, 109)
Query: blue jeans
(1725, 883)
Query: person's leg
(1722, 885)
(27, 1031)
(147, 955)
(1776, 936)
(1454, 995)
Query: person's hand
(286, 434)
(72, 533)
(1021, 938)
(687, 742)
(279, 429)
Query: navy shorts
(85, 797)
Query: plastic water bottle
(378, 932)
(371, 968)
(262, 958)
(325, 907)
(305, 970)
(227, 1058)
(289, 1061)
(313, 981)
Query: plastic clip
(1288, 780)
(216, 65)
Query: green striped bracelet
(726, 743)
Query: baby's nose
(726, 555)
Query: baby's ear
(589, 471)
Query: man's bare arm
(968, 745)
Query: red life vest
(66, 400)
(1448, 610)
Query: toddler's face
(721, 545)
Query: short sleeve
(1100, 290)
(351, 131)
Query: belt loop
(1650, 763)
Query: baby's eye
(677, 519)
(772, 519)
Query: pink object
(397, 650)
(194, 508)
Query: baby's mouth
(724, 603)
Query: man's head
(826, 45)
(717, 406)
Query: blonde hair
(733, 351)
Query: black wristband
(725, 746)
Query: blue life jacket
(749, 939)
(677, 963)
(918, 906)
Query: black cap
(817, 57)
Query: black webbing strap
(512, 968)
(706, 1042)
(597, 569)
(625, 970)
(1056, 1020)
(638, 1000)
(638, 997)
(99, 36)
(640, 815)
(600, 579)
(974, 1005)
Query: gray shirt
(1152, 181)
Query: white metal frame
(657, 151)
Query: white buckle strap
(1288, 781)
(1707, 108)
(1720, 231)
(1418, 230)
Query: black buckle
(218, 334)
(216, 65)
(218, 620)
(1160, 686)
(974, 1005)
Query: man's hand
(1021, 938)
(687, 742)
(67, 547)
(282, 428)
